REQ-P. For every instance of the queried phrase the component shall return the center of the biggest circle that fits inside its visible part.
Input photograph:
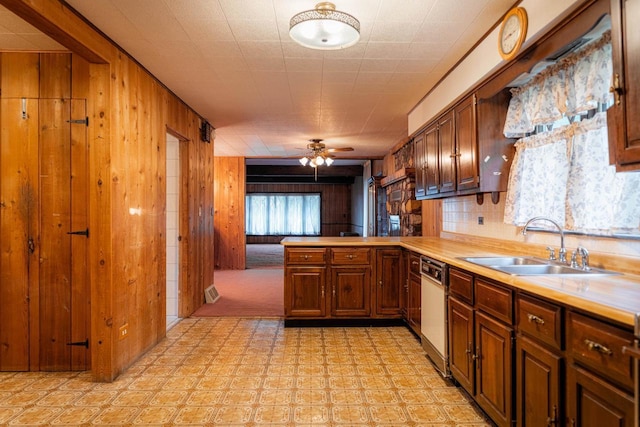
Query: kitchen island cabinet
(340, 283)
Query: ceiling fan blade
(335, 150)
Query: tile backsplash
(460, 215)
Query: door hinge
(84, 344)
(80, 233)
(84, 121)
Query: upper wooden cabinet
(449, 150)
(622, 117)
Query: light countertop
(613, 297)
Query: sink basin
(505, 261)
(531, 266)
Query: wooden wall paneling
(20, 75)
(55, 244)
(431, 217)
(103, 367)
(186, 214)
(229, 218)
(80, 78)
(55, 75)
(18, 227)
(209, 227)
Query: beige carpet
(247, 293)
(265, 256)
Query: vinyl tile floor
(251, 372)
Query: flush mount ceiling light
(324, 28)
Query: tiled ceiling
(234, 62)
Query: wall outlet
(481, 220)
(123, 331)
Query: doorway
(172, 173)
(44, 292)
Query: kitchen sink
(505, 261)
(531, 266)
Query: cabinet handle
(535, 319)
(594, 346)
(380, 283)
(350, 256)
(334, 291)
(454, 155)
(322, 290)
(616, 90)
(415, 263)
(305, 256)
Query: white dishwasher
(433, 328)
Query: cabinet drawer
(540, 320)
(414, 264)
(599, 346)
(350, 256)
(494, 300)
(305, 256)
(461, 285)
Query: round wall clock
(513, 31)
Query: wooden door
(466, 142)
(350, 291)
(63, 282)
(304, 292)
(44, 292)
(420, 164)
(622, 116)
(538, 380)
(389, 281)
(461, 343)
(18, 230)
(448, 159)
(593, 402)
(494, 361)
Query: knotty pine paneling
(229, 213)
(129, 114)
(335, 202)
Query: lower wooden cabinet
(594, 402)
(389, 279)
(538, 385)
(304, 292)
(340, 282)
(481, 346)
(350, 291)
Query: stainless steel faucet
(562, 253)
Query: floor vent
(211, 295)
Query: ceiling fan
(319, 154)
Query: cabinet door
(593, 402)
(624, 126)
(414, 307)
(432, 160)
(461, 343)
(390, 277)
(304, 292)
(447, 142)
(494, 364)
(350, 288)
(538, 382)
(420, 164)
(466, 143)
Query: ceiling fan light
(328, 161)
(304, 161)
(324, 28)
(319, 160)
(312, 163)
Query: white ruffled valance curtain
(564, 173)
